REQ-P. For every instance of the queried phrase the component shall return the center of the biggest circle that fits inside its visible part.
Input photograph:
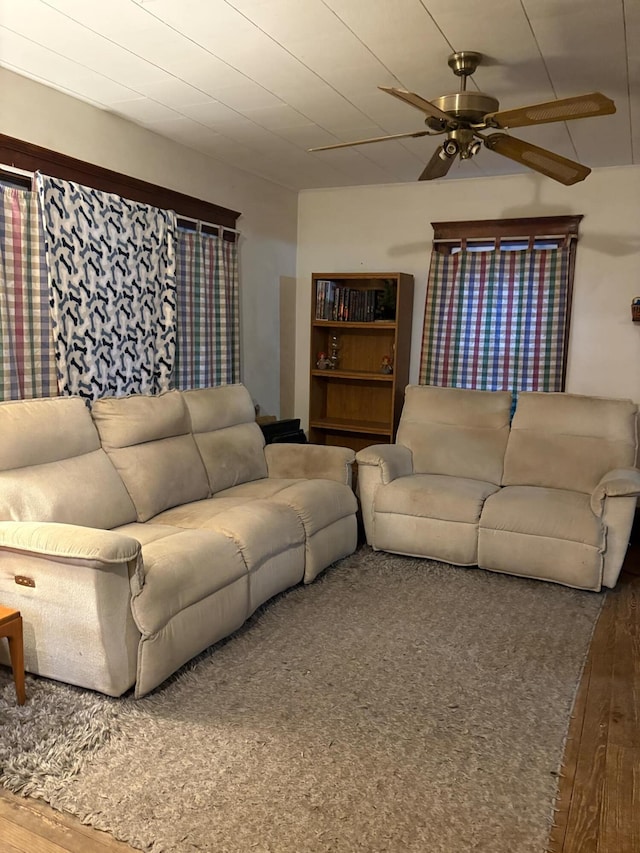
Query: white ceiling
(254, 83)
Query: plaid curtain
(208, 315)
(496, 320)
(111, 268)
(27, 362)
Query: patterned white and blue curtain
(208, 350)
(111, 265)
(27, 363)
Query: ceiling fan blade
(438, 165)
(539, 159)
(418, 102)
(565, 109)
(373, 139)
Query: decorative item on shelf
(387, 365)
(635, 310)
(323, 362)
(334, 346)
(385, 308)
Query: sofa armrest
(379, 465)
(68, 543)
(393, 460)
(619, 483)
(310, 461)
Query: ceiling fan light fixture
(474, 148)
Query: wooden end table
(11, 628)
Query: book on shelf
(337, 303)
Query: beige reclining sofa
(138, 534)
(551, 495)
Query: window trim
(33, 158)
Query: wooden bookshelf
(352, 401)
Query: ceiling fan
(463, 115)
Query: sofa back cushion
(52, 467)
(568, 441)
(456, 431)
(148, 439)
(230, 441)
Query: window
(498, 304)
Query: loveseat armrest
(393, 460)
(69, 543)
(619, 483)
(310, 462)
(379, 465)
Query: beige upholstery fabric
(46, 430)
(378, 465)
(174, 578)
(264, 488)
(190, 632)
(319, 505)
(230, 441)
(569, 441)
(617, 519)
(456, 431)
(394, 460)
(551, 513)
(77, 621)
(135, 566)
(431, 515)
(453, 542)
(568, 491)
(268, 535)
(327, 511)
(149, 441)
(232, 456)
(219, 407)
(435, 496)
(310, 461)
(333, 542)
(52, 467)
(619, 483)
(68, 543)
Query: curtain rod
(521, 237)
(199, 223)
(13, 170)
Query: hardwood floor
(599, 800)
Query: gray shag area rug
(393, 706)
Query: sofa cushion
(552, 513)
(434, 496)
(549, 534)
(148, 439)
(456, 431)
(52, 467)
(268, 535)
(229, 439)
(569, 441)
(181, 567)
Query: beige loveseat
(138, 534)
(550, 496)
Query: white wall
(49, 118)
(387, 228)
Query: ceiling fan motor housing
(466, 107)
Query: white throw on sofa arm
(379, 464)
(310, 461)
